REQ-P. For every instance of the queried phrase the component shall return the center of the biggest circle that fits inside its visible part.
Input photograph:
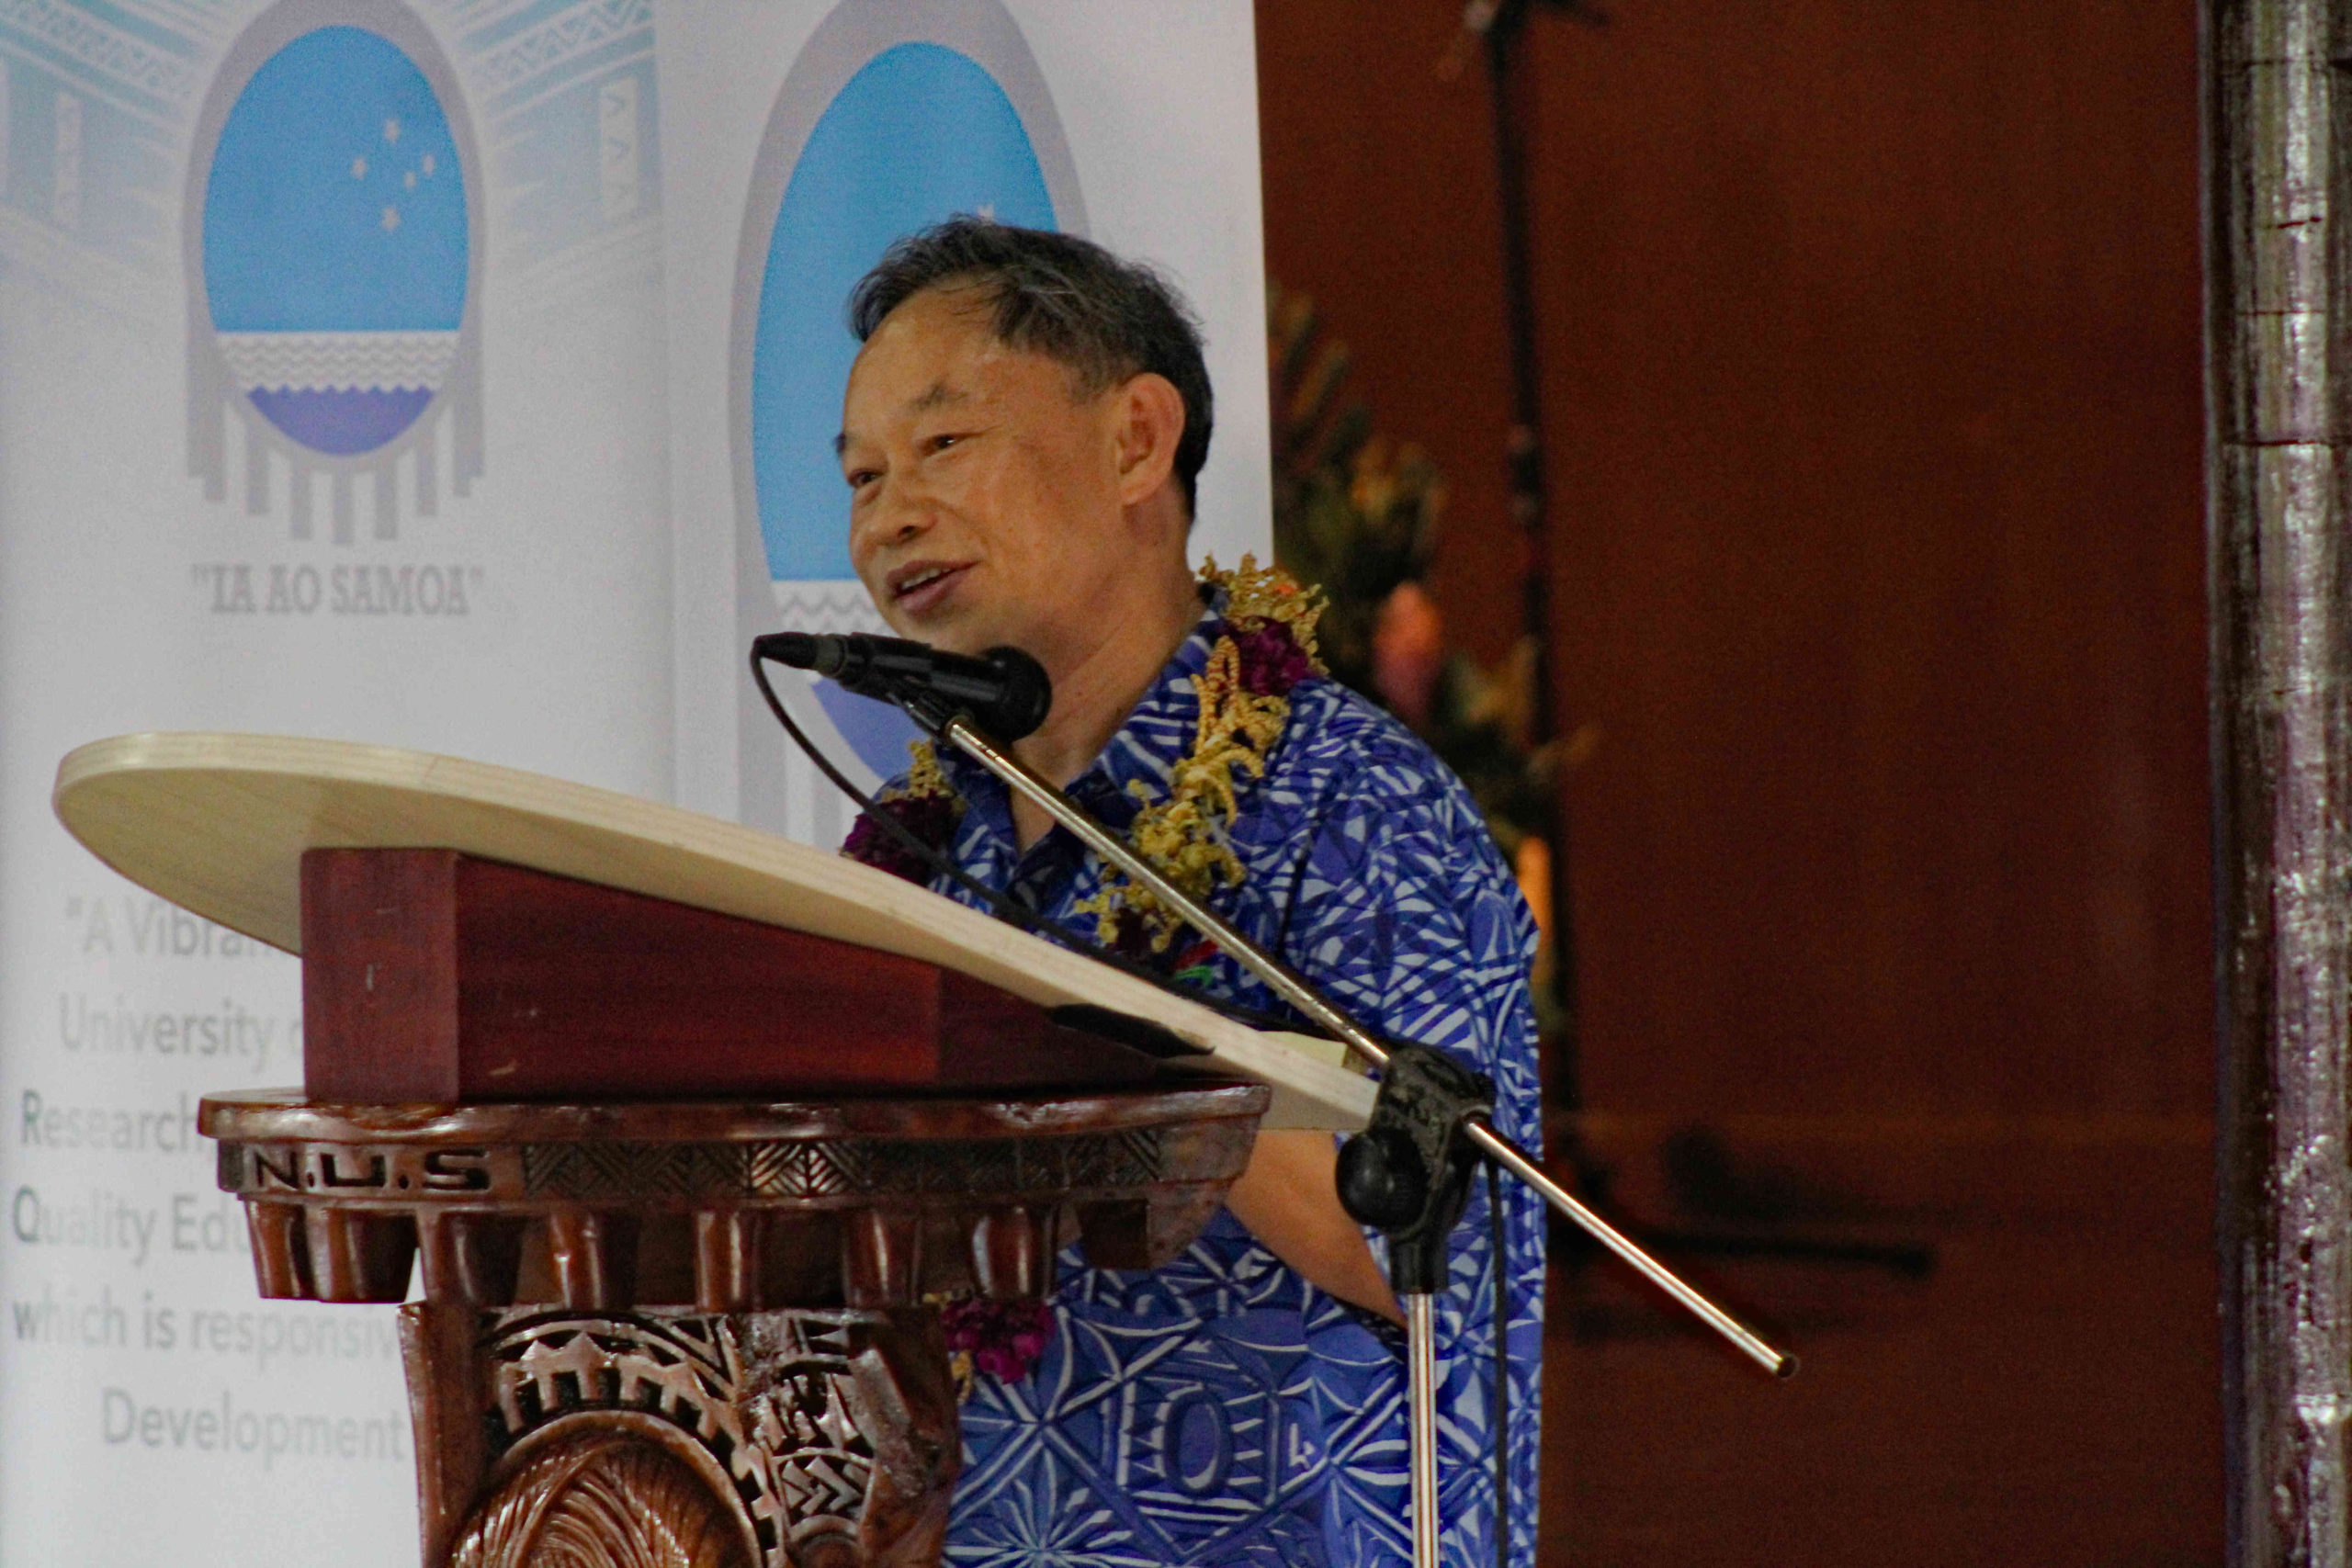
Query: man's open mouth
(920, 584)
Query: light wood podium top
(218, 824)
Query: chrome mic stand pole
(1421, 1402)
(1292, 987)
(1297, 990)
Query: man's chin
(946, 631)
(960, 624)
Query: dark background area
(1870, 339)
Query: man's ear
(1149, 415)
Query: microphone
(1004, 691)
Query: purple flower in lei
(930, 817)
(1272, 662)
(1004, 1338)
(1130, 937)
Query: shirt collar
(1157, 732)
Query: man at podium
(1022, 435)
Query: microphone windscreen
(1027, 696)
(802, 650)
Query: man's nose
(899, 515)
(904, 510)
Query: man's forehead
(939, 394)
(940, 351)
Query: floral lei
(1264, 647)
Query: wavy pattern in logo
(328, 362)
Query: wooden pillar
(2278, 319)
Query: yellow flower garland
(1184, 837)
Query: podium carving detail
(704, 1333)
(625, 1437)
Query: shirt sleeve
(1405, 913)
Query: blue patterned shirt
(1222, 1409)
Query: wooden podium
(683, 1131)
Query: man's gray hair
(1062, 297)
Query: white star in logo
(409, 179)
(391, 219)
(359, 168)
(392, 130)
(428, 166)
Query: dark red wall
(1870, 340)
(1871, 345)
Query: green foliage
(1348, 514)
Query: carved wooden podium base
(823, 1438)
(686, 1334)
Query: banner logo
(893, 118)
(334, 260)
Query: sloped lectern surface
(219, 824)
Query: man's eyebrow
(941, 393)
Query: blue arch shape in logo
(336, 248)
(921, 132)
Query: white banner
(331, 402)
(343, 393)
(820, 133)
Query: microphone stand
(1407, 1172)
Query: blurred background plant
(1361, 516)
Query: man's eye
(861, 478)
(942, 443)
